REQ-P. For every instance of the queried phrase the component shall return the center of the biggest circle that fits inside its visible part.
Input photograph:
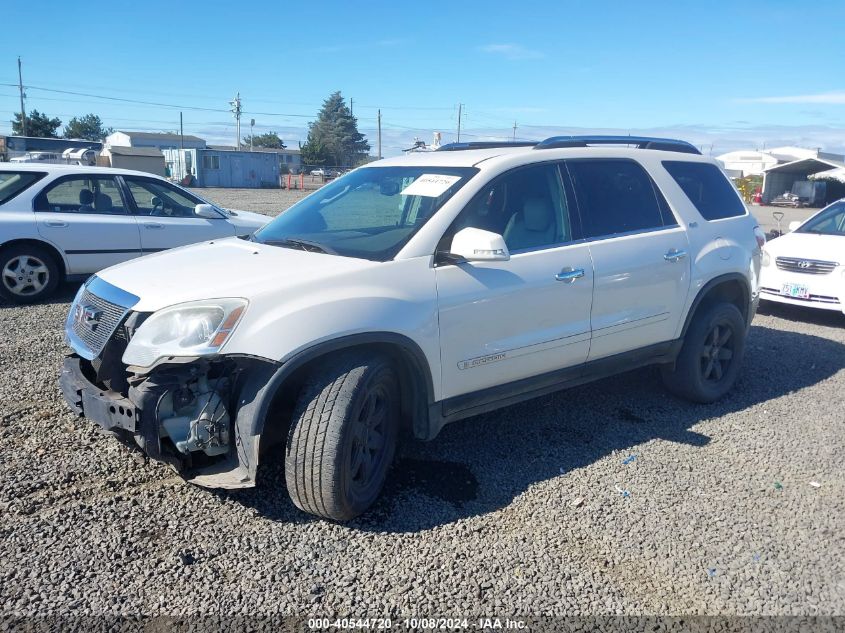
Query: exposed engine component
(195, 418)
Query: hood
(229, 267)
(829, 248)
(247, 222)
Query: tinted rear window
(615, 196)
(707, 188)
(13, 182)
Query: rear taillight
(759, 236)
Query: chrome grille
(805, 266)
(94, 320)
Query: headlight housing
(766, 258)
(196, 328)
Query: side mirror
(477, 245)
(795, 224)
(207, 211)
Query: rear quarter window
(707, 188)
(13, 183)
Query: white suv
(413, 292)
(65, 222)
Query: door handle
(674, 255)
(153, 225)
(56, 223)
(569, 275)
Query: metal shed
(146, 159)
(224, 168)
(782, 178)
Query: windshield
(831, 221)
(369, 213)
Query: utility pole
(251, 133)
(350, 106)
(236, 111)
(181, 134)
(460, 109)
(514, 131)
(20, 88)
(379, 134)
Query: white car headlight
(766, 258)
(196, 328)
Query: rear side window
(615, 196)
(81, 194)
(707, 188)
(14, 182)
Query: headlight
(186, 329)
(766, 259)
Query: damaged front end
(200, 415)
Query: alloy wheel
(25, 275)
(717, 352)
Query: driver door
(166, 216)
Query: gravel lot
(719, 515)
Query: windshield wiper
(305, 245)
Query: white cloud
(512, 51)
(835, 98)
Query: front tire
(711, 355)
(28, 273)
(343, 436)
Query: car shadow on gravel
(482, 464)
(64, 294)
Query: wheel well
(731, 290)
(56, 255)
(413, 389)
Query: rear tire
(343, 436)
(711, 355)
(28, 273)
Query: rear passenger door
(166, 216)
(86, 217)
(639, 252)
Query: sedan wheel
(27, 273)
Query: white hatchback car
(66, 222)
(806, 267)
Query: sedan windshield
(370, 213)
(831, 221)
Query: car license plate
(796, 291)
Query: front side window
(162, 199)
(831, 221)
(707, 188)
(370, 213)
(615, 196)
(526, 207)
(82, 194)
(14, 182)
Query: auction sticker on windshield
(430, 185)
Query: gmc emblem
(89, 316)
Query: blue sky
(730, 74)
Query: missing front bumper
(135, 418)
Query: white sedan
(66, 222)
(806, 267)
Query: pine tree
(334, 137)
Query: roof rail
(641, 142)
(457, 147)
